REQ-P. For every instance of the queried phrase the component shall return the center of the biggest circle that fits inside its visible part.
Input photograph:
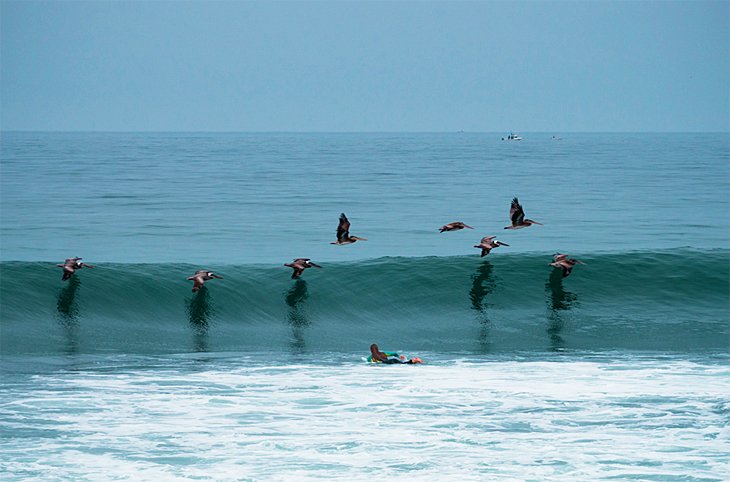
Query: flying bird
(70, 266)
(566, 264)
(343, 232)
(200, 277)
(299, 265)
(517, 216)
(488, 243)
(455, 226)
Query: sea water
(619, 371)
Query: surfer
(455, 226)
(70, 266)
(378, 356)
(200, 277)
(343, 232)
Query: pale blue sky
(366, 66)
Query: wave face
(673, 301)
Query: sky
(359, 66)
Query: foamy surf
(245, 418)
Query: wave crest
(668, 300)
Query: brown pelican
(70, 266)
(455, 226)
(299, 265)
(200, 277)
(566, 264)
(488, 243)
(517, 215)
(343, 232)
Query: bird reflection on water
(200, 309)
(559, 301)
(483, 284)
(296, 317)
(68, 313)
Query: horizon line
(160, 131)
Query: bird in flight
(517, 216)
(343, 232)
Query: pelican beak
(503, 244)
(217, 276)
(360, 239)
(315, 265)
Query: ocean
(620, 371)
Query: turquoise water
(266, 198)
(619, 371)
(674, 300)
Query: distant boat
(512, 137)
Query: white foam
(472, 421)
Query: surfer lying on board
(377, 356)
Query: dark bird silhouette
(455, 226)
(70, 266)
(343, 232)
(200, 277)
(563, 262)
(299, 265)
(517, 216)
(488, 243)
(483, 284)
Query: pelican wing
(71, 261)
(343, 229)
(299, 264)
(516, 214)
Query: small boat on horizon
(512, 137)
